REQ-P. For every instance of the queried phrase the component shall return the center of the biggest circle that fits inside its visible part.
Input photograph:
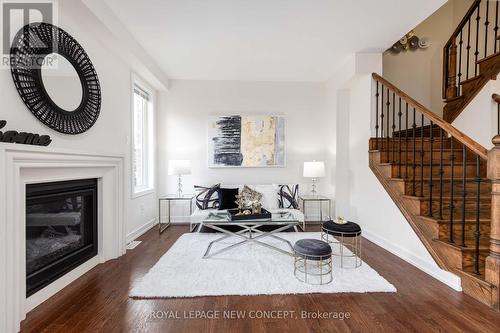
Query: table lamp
(314, 170)
(179, 168)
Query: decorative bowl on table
(236, 215)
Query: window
(142, 140)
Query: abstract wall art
(246, 141)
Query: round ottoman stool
(348, 235)
(313, 261)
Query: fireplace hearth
(61, 229)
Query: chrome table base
(249, 234)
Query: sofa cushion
(269, 196)
(249, 196)
(288, 196)
(207, 197)
(227, 198)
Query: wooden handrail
(496, 98)
(447, 127)
(462, 23)
(454, 35)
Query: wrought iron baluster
(382, 117)
(441, 172)
(376, 118)
(413, 164)
(486, 24)
(388, 125)
(406, 142)
(476, 53)
(496, 27)
(452, 206)
(460, 63)
(477, 232)
(464, 191)
(468, 50)
(393, 125)
(431, 185)
(400, 136)
(422, 122)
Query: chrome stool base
(314, 269)
(340, 238)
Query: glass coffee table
(250, 232)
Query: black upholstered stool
(313, 261)
(348, 235)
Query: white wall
(360, 196)
(479, 119)
(183, 120)
(419, 73)
(110, 134)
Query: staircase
(441, 180)
(471, 57)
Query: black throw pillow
(227, 198)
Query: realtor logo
(17, 14)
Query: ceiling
(265, 40)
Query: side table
(320, 199)
(169, 198)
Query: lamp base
(179, 186)
(313, 191)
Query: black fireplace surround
(61, 229)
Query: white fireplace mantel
(21, 165)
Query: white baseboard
(141, 230)
(447, 278)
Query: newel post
(451, 80)
(493, 259)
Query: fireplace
(61, 229)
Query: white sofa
(269, 202)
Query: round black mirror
(61, 82)
(55, 78)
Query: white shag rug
(249, 269)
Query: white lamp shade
(179, 167)
(314, 169)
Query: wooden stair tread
(427, 164)
(444, 221)
(469, 80)
(467, 179)
(480, 279)
(445, 198)
(483, 248)
(494, 55)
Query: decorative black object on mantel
(31, 45)
(23, 137)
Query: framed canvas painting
(255, 141)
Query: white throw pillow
(269, 196)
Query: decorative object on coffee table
(247, 214)
(313, 261)
(314, 170)
(26, 69)
(179, 168)
(346, 235)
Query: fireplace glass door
(61, 229)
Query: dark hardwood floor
(99, 302)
